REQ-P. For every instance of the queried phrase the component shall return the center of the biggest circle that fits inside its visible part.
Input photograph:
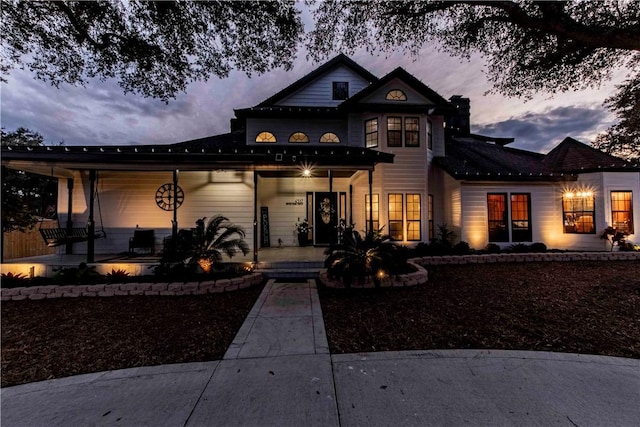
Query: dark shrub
(538, 247)
(461, 248)
(519, 248)
(492, 248)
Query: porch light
(306, 170)
(306, 173)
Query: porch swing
(62, 235)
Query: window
(371, 133)
(265, 137)
(429, 135)
(622, 211)
(395, 216)
(394, 131)
(413, 217)
(578, 212)
(330, 137)
(497, 217)
(520, 217)
(430, 213)
(411, 132)
(340, 90)
(375, 206)
(298, 137)
(396, 95)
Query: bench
(61, 236)
(143, 239)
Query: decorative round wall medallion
(168, 196)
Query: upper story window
(578, 211)
(265, 137)
(394, 131)
(371, 133)
(411, 132)
(330, 137)
(429, 134)
(340, 90)
(396, 95)
(298, 137)
(622, 211)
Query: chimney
(459, 123)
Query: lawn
(56, 338)
(578, 307)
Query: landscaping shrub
(538, 247)
(462, 248)
(493, 248)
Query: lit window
(395, 216)
(265, 137)
(372, 204)
(429, 135)
(622, 211)
(340, 90)
(396, 95)
(413, 217)
(411, 132)
(394, 131)
(520, 218)
(497, 217)
(298, 137)
(371, 133)
(330, 137)
(578, 211)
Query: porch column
(255, 217)
(174, 222)
(91, 226)
(371, 201)
(331, 212)
(350, 204)
(69, 246)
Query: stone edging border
(124, 289)
(400, 281)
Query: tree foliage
(154, 48)
(529, 46)
(25, 196)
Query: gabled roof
(340, 60)
(401, 74)
(472, 158)
(574, 156)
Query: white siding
(320, 91)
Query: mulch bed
(56, 338)
(578, 307)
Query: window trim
(630, 228)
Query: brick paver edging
(527, 257)
(123, 289)
(402, 280)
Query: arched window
(330, 137)
(265, 137)
(396, 95)
(298, 137)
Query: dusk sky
(100, 114)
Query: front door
(326, 218)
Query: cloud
(541, 131)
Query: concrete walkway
(278, 372)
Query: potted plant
(302, 228)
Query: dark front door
(326, 218)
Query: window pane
(429, 134)
(578, 212)
(298, 137)
(411, 132)
(396, 95)
(622, 211)
(330, 137)
(395, 216)
(430, 212)
(371, 133)
(265, 137)
(520, 222)
(340, 90)
(394, 131)
(497, 217)
(413, 217)
(375, 206)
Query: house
(343, 146)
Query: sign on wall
(264, 219)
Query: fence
(17, 244)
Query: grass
(578, 307)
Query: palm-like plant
(357, 258)
(214, 239)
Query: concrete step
(299, 273)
